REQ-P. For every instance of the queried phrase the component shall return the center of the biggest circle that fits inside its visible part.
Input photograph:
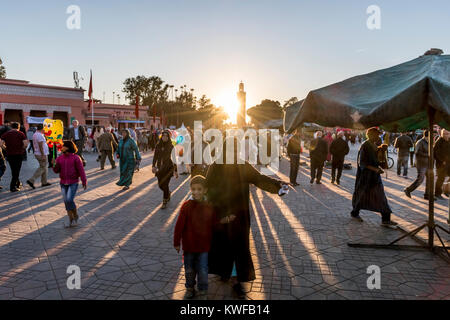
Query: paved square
(123, 244)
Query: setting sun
(228, 100)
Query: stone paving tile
(123, 244)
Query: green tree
(151, 90)
(2, 70)
(290, 102)
(265, 111)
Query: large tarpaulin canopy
(396, 98)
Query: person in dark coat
(294, 149)
(369, 191)
(228, 191)
(318, 152)
(442, 155)
(403, 143)
(163, 166)
(338, 149)
(78, 135)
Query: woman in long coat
(228, 191)
(369, 191)
(163, 166)
(128, 154)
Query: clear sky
(279, 48)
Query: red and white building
(20, 99)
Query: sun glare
(228, 101)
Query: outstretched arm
(262, 181)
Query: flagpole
(92, 105)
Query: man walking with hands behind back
(338, 149)
(41, 153)
(78, 135)
(106, 146)
(403, 144)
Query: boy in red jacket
(194, 228)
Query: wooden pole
(431, 113)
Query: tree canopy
(265, 111)
(183, 108)
(2, 70)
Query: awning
(36, 120)
(130, 121)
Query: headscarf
(124, 138)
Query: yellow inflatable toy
(54, 130)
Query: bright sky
(279, 49)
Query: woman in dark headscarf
(228, 191)
(369, 190)
(128, 154)
(163, 166)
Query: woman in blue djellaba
(128, 153)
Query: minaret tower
(241, 111)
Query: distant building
(26, 103)
(119, 116)
(20, 100)
(240, 121)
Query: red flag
(90, 93)
(136, 110)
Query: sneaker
(190, 293)
(126, 188)
(389, 223)
(338, 182)
(311, 181)
(31, 184)
(46, 184)
(408, 194)
(428, 198)
(237, 288)
(332, 181)
(318, 182)
(202, 295)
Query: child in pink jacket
(70, 168)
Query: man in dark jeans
(403, 144)
(318, 153)
(16, 143)
(442, 155)
(421, 166)
(294, 149)
(338, 149)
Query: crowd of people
(213, 226)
